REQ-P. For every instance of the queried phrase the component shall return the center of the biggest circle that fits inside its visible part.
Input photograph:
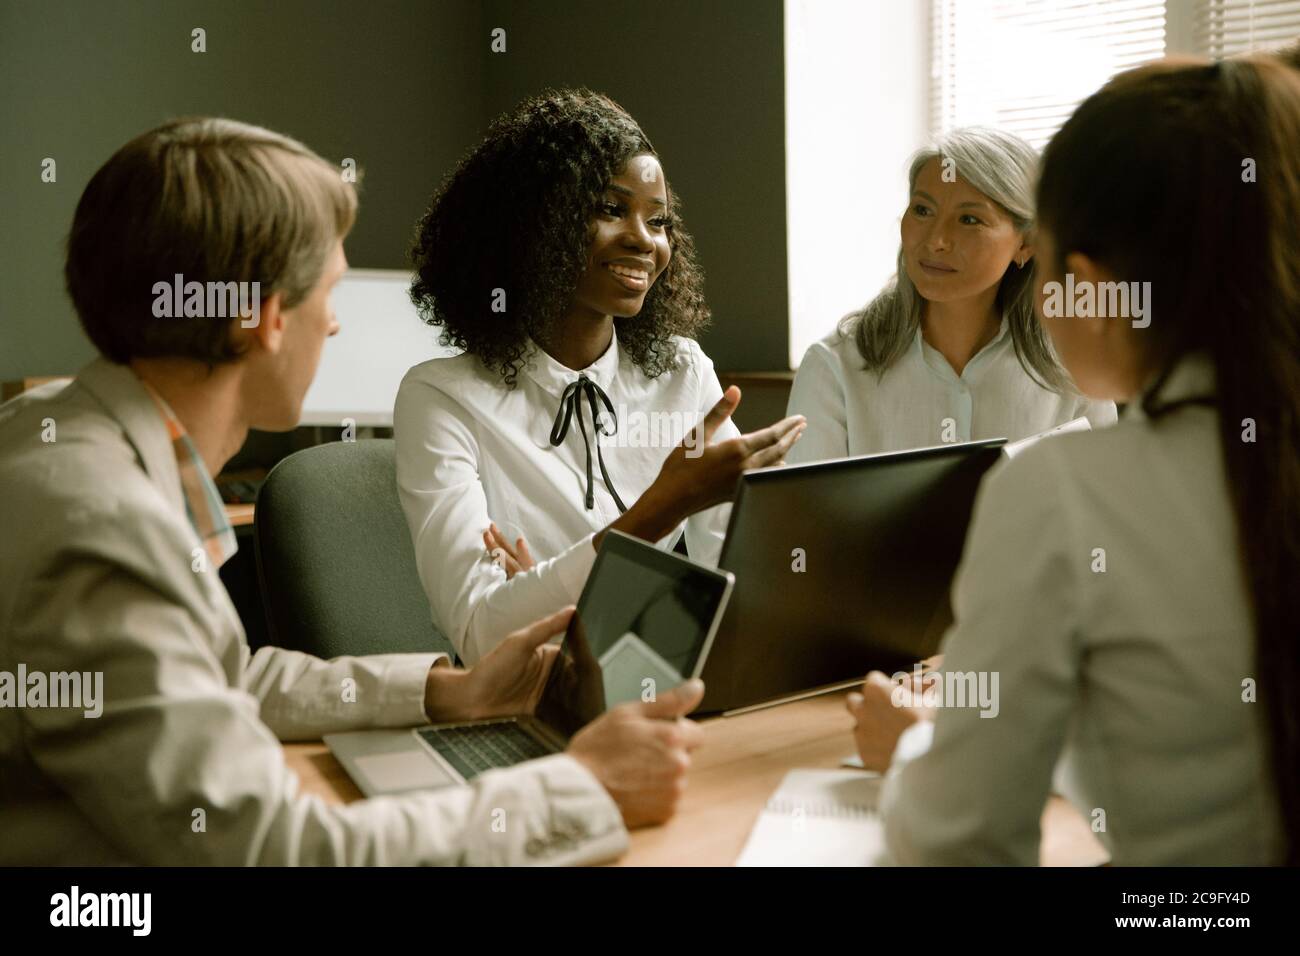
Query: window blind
(1226, 28)
(1024, 65)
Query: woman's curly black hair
(516, 214)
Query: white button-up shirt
(920, 401)
(1102, 583)
(471, 451)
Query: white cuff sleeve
(548, 812)
(525, 598)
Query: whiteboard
(380, 337)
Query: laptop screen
(643, 625)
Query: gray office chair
(334, 556)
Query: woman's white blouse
(470, 451)
(1101, 582)
(920, 401)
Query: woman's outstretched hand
(699, 475)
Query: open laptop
(644, 624)
(842, 567)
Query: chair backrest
(334, 555)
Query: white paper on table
(819, 818)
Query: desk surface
(740, 765)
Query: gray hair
(1003, 167)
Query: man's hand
(640, 753)
(881, 713)
(506, 683)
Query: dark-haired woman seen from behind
(1133, 590)
(555, 257)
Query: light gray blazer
(184, 764)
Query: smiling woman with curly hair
(542, 172)
(555, 257)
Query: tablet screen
(642, 627)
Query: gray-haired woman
(949, 351)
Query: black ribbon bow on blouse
(570, 402)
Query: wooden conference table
(731, 777)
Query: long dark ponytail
(1187, 174)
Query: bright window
(1024, 65)
(867, 81)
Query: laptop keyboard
(476, 748)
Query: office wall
(404, 87)
(706, 81)
(396, 85)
